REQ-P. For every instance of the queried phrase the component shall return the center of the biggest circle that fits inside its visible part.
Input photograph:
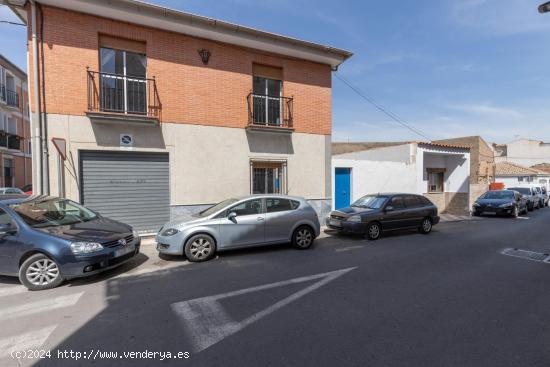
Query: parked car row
(513, 201)
(45, 240)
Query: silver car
(241, 222)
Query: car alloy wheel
(42, 272)
(303, 238)
(426, 225)
(515, 212)
(373, 231)
(200, 247)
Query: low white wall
(380, 170)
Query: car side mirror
(389, 208)
(232, 216)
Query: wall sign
(126, 140)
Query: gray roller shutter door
(131, 187)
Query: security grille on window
(436, 179)
(268, 178)
(9, 173)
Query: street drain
(528, 255)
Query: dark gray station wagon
(373, 214)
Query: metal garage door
(131, 187)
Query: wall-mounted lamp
(205, 55)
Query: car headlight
(505, 205)
(354, 218)
(169, 232)
(476, 204)
(85, 247)
(135, 233)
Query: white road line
(207, 323)
(40, 306)
(10, 291)
(30, 340)
(349, 248)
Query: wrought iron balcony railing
(12, 98)
(123, 94)
(270, 111)
(14, 142)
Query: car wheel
(531, 207)
(476, 213)
(515, 212)
(39, 272)
(373, 231)
(200, 247)
(426, 226)
(303, 238)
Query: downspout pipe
(45, 160)
(36, 121)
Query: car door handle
(259, 219)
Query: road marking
(207, 323)
(30, 340)
(40, 306)
(527, 255)
(349, 248)
(10, 291)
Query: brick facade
(190, 92)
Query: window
(267, 94)
(412, 201)
(250, 207)
(397, 202)
(9, 173)
(5, 219)
(436, 179)
(268, 178)
(281, 205)
(424, 201)
(123, 81)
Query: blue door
(342, 189)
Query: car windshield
(370, 202)
(217, 207)
(52, 213)
(498, 195)
(522, 190)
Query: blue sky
(448, 67)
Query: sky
(448, 68)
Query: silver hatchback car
(241, 222)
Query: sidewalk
(455, 218)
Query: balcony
(270, 113)
(10, 141)
(12, 98)
(121, 98)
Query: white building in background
(525, 152)
(511, 174)
(441, 172)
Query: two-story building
(165, 112)
(15, 149)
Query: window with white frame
(436, 180)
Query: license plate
(489, 213)
(125, 250)
(334, 222)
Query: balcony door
(123, 81)
(267, 101)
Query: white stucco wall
(402, 169)
(527, 152)
(207, 164)
(389, 169)
(456, 165)
(511, 181)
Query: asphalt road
(447, 299)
